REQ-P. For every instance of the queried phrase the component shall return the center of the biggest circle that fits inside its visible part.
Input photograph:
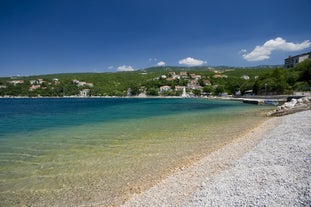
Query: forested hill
(196, 80)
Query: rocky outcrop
(295, 105)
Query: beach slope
(268, 166)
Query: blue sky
(60, 36)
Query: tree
(196, 92)
(208, 89)
(152, 92)
(246, 86)
(272, 83)
(305, 70)
(134, 90)
(234, 84)
(219, 90)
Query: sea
(100, 151)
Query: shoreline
(245, 100)
(198, 184)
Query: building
(15, 82)
(220, 76)
(84, 92)
(195, 76)
(180, 88)
(82, 83)
(165, 88)
(207, 82)
(183, 74)
(245, 77)
(292, 61)
(34, 87)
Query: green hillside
(196, 80)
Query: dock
(260, 100)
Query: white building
(84, 92)
(245, 77)
(82, 83)
(14, 82)
(165, 88)
(292, 61)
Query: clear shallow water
(56, 152)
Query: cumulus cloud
(189, 61)
(263, 52)
(161, 63)
(125, 68)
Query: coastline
(236, 173)
(247, 100)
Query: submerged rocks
(295, 105)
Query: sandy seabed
(268, 166)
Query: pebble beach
(269, 165)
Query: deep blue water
(25, 115)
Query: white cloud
(125, 68)
(110, 67)
(189, 61)
(152, 59)
(264, 51)
(242, 51)
(161, 63)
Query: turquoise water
(62, 152)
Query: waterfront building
(292, 61)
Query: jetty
(260, 100)
(292, 106)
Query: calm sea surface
(73, 152)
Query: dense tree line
(280, 81)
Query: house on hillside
(56, 81)
(15, 82)
(170, 79)
(82, 83)
(84, 92)
(180, 88)
(33, 82)
(245, 77)
(183, 74)
(193, 85)
(165, 88)
(40, 81)
(34, 87)
(173, 76)
(292, 61)
(220, 76)
(195, 76)
(207, 82)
